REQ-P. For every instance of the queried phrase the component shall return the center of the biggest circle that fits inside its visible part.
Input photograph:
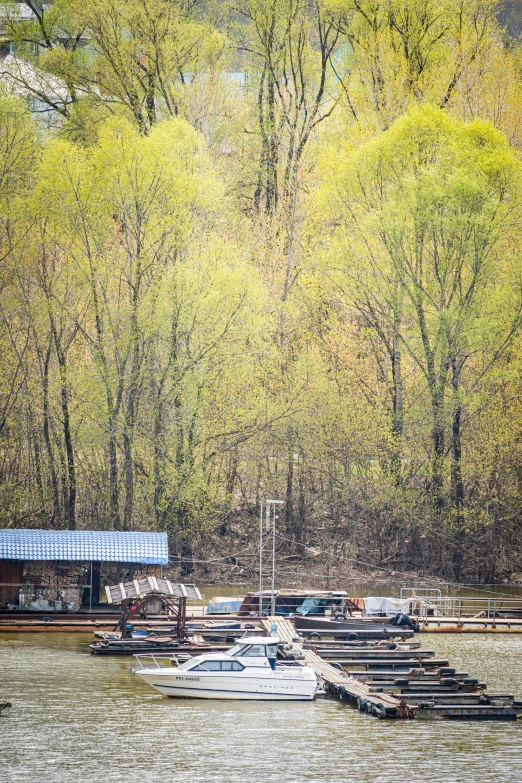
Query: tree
(403, 52)
(429, 202)
(291, 44)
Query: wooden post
(182, 614)
(125, 615)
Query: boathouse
(61, 570)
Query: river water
(78, 718)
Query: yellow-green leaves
(421, 215)
(17, 147)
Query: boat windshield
(234, 650)
(248, 651)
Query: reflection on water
(76, 717)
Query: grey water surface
(78, 718)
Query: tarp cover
(84, 545)
(387, 606)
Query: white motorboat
(247, 671)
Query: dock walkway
(342, 685)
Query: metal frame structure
(270, 522)
(177, 610)
(141, 592)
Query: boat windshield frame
(183, 667)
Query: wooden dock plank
(356, 690)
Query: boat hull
(365, 629)
(205, 686)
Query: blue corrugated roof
(84, 545)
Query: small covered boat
(221, 605)
(247, 671)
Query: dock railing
(432, 602)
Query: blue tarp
(310, 605)
(84, 545)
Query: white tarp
(387, 606)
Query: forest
(266, 249)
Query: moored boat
(289, 602)
(221, 605)
(247, 671)
(351, 629)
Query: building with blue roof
(53, 570)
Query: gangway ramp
(337, 683)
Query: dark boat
(349, 629)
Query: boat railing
(154, 657)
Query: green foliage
(268, 250)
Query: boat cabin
(299, 602)
(248, 652)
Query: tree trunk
(437, 472)
(187, 555)
(47, 436)
(300, 532)
(159, 465)
(457, 483)
(289, 500)
(112, 407)
(114, 488)
(70, 510)
(398, 403)
(132, 399)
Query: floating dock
(381, 705)
(442, 624)
(391, 683)
(452, 615)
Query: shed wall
(61, 585)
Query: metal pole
(270, 507)
(90, 592)
(261, 560)
(272, 607)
